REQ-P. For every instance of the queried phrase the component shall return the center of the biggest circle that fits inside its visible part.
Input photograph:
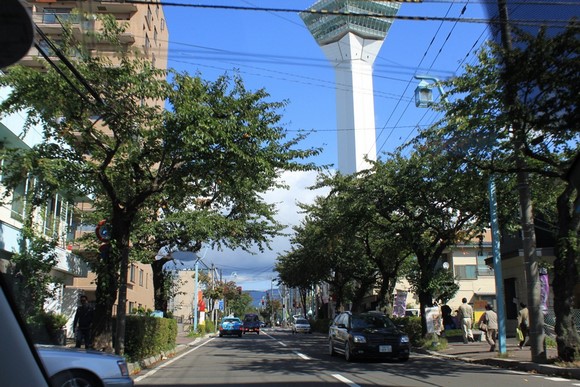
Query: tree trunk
(107, 270)
(425, 301)
(159, 290)
(566, 278)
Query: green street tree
(116, 143)
(545, 76)
(432, 202)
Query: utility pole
(527, 215)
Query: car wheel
(239, 335)
(75, 378)
(330, 348)
(258, 332)
(404, 358)
(347, 354)
(220, 335)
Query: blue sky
(275, 51)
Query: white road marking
(282, 344)
(153, 371)
(345, 380)
(303, 356)
(555, 379)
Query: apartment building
(147, 34)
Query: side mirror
(14, 17)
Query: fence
(550, 321)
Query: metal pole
(499, 292)
(195, 299)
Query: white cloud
(254, 272)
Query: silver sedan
(301, 325)
(76, 367)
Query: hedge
(148, 336)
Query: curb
(544, 369)
(136, 367)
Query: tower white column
(351, 43)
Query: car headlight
(359, 339)
(404, 339)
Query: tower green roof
(332, 20)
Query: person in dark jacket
(82, 323)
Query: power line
(526, 22)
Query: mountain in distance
(257, 296)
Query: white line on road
(555, 379)
(345, 380)
(303, 356)
(153, 371)
(282, 344)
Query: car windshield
(302, 321)
(231, 320)
(371, 322)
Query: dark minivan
(251, 323)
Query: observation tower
(351, 43)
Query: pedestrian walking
(466, 317)
(489, 318)
(523, 323)
(82, 323)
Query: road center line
(345, 380)
(153, 371)
(282, 344)
(303, 356)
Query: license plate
(385, 348)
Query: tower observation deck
(351, 43)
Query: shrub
(147, 336)
(320, 325)
(411, 326)
(46, 328)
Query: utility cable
(69, 65)
(528, 22)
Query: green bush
(47, 328)
(320, 325)
(411, 326)
(147, 336)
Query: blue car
(231, 326)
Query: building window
(466, 272)
(482, 268)
(147, 44)
(146, 280)
(157, 11)
(155, 36)
(149, 17)
(131, 306)
(132, 273)
(153, 60)
(58, 16)
(140, 277)
(18, 200)
(162, 24)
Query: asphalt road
(278, 358)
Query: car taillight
(123, 367)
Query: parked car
(251, 323)
(301, 325)
(367, 335)
(76, 367)
(231, 326)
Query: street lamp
(424, 91)
(424, 98)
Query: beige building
(147, 34)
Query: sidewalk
(514, 358)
